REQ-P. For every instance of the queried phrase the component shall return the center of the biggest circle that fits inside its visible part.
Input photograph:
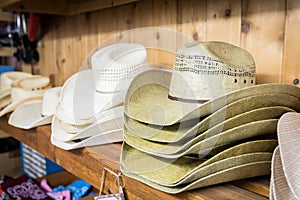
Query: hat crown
(206, 70)
(116, 65)
(30, 87)
(8, 78)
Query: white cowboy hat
(285, 165)
(106, 121)
(6, 79)
(38, 113)
(98, 139)
(123, 60)
(26, 90)
(92, 91)
(80, 102)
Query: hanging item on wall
(27, 41)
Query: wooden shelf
(60, 7)
(86, 163)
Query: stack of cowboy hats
(204, 123)
(90, 109)
(20, 88)
(285, 178)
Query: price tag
(118, 196)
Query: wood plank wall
(268, 29)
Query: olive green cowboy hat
(177, 175)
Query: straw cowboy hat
(185, 173)
(106, 121)
(6, 79)
(123, 60)
(26, 90)
(36, 113)
(92, 91)
(202, 71)
(285, 162)
(98, 139)
(147, 99)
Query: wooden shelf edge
(60, 7)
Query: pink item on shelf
(44, 185)
(62, 195)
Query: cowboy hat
(6, 79)
(98, 139)
(177, 175)
(25, 91)
(36, 114)
(204, 143)
(202, 71)
(235, 113)
(147, 99)
(91, 91)
(285, 164)
(279, 188)
(123, 60)
(108, 120)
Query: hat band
(186, 100)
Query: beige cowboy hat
(177, 175)
(109, 120)
(267, 105)
(25, 91)
(92, 91)
(205, 143)
(6, 79)
(147, 99)
(37, 113)
(203, 71)
(285, 164)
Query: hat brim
(101, 101)
(234, 114)
(29, 116)
(110, 120)
(289, 148)
(4, 101)
(99, 139)
(174, 172)
(4, 93)
(12, 106)
(147, 99)
(203, 143)
(230, 174)
(279, 188)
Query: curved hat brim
(99, 139)
(234, 114)
(12, 106)
(147, 99)
(174, 172)
(204, 143)
(279, 188)
(289, 148)
(110, 120)
(29, 116)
